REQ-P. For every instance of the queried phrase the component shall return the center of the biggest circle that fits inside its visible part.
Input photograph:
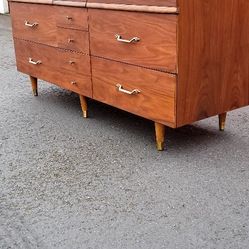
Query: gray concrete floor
(67, 182)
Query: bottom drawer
(66, 69)
(147, 93)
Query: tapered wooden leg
(222, 121)
(34, 85)
(160, 134)
(83, 103)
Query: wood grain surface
(33, 1)
(75, 3)
(76, 40)
(134, 8)
(156, 101)
(53, 28)
(71, 17)
(56, 66)
(170, 3)
(44, 33)
(156, 48)
(213, 58)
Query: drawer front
(165, 3)
(69, 70)
(51, 25)
(76, 40)
(155, 49)
(71, 17)
(156, 97)
(33, 22)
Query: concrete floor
(72, 183)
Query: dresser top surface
(158, 6)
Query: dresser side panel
(213, 53)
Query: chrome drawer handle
(32, 25)
(134, 39)
(122, 90)
(73, 83)
(34, 62)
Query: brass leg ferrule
(83, 103)
(35, 92)
(160, 134)
(34, 85)
(85, 114)
(222, 121)
(160, 146)
(222, 126)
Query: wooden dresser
(170, 61)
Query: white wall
(4, 6)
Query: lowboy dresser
(171, 61)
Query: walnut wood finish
(71, 18)
(188, 65)
(55, 66)
(134, 8)
(44, 32)
(156, 6)
(160, 136)
(156, 48)
(33, 1)
(167, 3)
(56, 25)
(213, 58)
(33, 81)
(75, 3)
(61, 59)
(156, 101)
(76, 40)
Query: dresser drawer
(73, 39)
(71, 17)
(51, 25)
(155, 48)
(113, 83)
(69, 70)
(33, 22)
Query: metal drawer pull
(133, 92)
(70, 40)
(73, 83)
(134, 39)
(69, 18)
(34, 62)
(32, 25)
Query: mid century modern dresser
(170, 61)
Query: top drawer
(39, 22)
(71, 17)
(33, 22)
(166, 3)
(142, 39)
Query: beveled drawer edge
(69, 3)
(136, 65)
(130, 7)
(54, 2)
(33, 1)
(55, 47)
(106, 6)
